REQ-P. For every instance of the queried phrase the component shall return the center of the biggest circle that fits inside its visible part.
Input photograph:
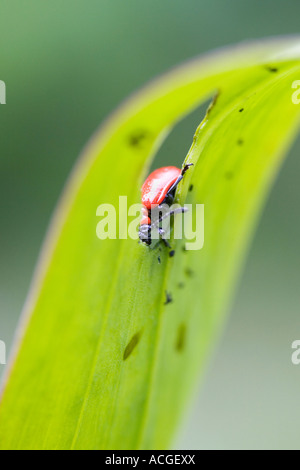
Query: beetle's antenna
(178, 210)
(183, 171)
(185, 168)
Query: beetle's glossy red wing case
(157, 185)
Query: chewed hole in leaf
(177, 143)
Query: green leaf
(102, 361)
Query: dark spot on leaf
(272, 69)
(180, 285)
(169, 298)
(189, 272)
(241, 110)
(137, 138)
(191, 187)
(240, 142)
(131, 345)
(159, 260)
(229, 175)
(184, 249)
(181, 337)
(172, 253)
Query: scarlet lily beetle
(158, 189)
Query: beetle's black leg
(174, 185)
(167, 244)
(178, 210)
(161, 232)
(162, 237)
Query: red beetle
(158, 189)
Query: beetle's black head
(145, 234)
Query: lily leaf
(111, 342)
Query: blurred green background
(67, 64)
